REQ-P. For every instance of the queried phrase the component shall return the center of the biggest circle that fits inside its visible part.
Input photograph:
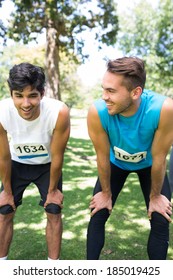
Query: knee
(102, 215)
(159, 225)
(6, 209)
(99, 219)
(53, 208)
(159, 219)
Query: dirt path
(79, 124)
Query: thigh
(145, 182)
(42, 182)
(118, 178)
(144, 176)
(19, 181)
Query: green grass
(126, 231)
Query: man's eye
(34, 95)
(111, 91)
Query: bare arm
(161, 144)
(102, 147)
(6, 196)
(58, 144)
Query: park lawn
(126, 231)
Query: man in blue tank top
(34, 131)
(132, 131)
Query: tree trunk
(52, 63)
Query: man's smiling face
(27, 103)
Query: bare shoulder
(92, 110)
(63, 120)
(166, 117)
(93, 120)
(164, 135)
(168, 105)
(3, 140)
(64, 110)
(93, 114)
(95, 128)
(2, 130)
(167, 111)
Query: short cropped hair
(26, 74)
(133, 70)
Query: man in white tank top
(34, 131)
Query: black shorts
(22, 175)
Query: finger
(169, 211)
(94, 212)
(92, 205)
(168, 218)
(45, 204)
(14, 207)
(149, 215)
(60, 204)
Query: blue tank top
(131, 137)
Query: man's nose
(105, 95)
(26, 102)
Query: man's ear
(136, 93)
(42, 93)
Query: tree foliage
(14, 55)
(64, 21)
(2, 27)
(68, 18)
(18, 53)
(164, 43)
(148, 32)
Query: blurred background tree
(147, 32)
(63, 21)
(70, 82)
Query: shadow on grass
(126, 231)
(29, 229)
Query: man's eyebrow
(108, 88)
(34, 93)
(21, 92)
(17, 92)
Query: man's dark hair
(133, 70)
(26, 74)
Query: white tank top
(30, 140)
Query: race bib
(124, 156)
(30, 150)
